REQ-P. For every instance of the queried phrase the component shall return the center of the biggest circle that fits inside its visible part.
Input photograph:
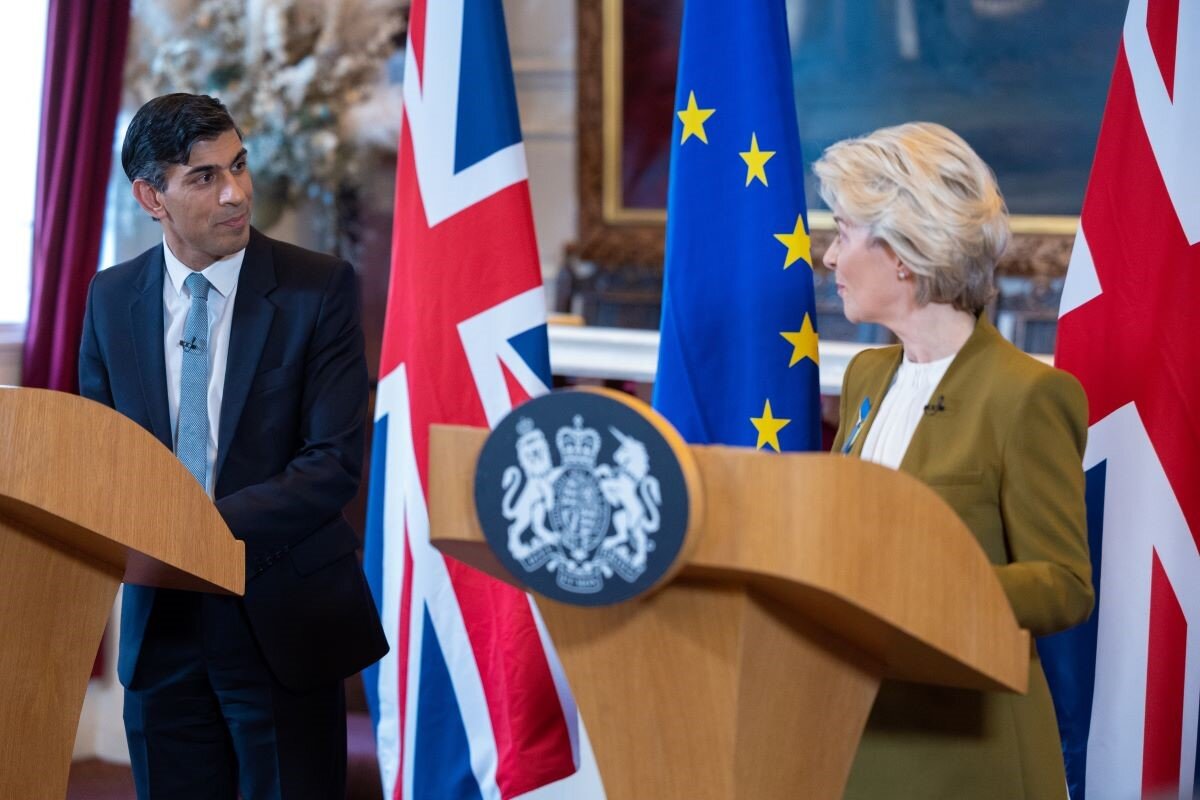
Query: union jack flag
(1127, 684)
(471, 702)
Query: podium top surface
(869, 553)
(862, 549)
(96, 483)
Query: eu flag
(738, 356)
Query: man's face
(205, 209)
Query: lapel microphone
(193, 346)
(934, 408)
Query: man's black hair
(164, 130)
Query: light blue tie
(191, 445)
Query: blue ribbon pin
(864, 411)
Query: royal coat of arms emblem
(584, 522)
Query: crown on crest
(578, 446)
(527, 431)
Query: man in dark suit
(245, 356)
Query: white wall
(541, 35)
(101, 732)
(11, 337)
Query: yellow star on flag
(803, 341)
(756, 160)
(768, 428)
(798, 244)
(693, 118)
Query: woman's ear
(891, 255)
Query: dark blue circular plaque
(582, 496)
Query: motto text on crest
(583, 522)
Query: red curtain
(81, 93)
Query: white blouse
(902, 408)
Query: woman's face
(867, 275)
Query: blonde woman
(997, 434)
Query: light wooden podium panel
(87, 500)
(808, 579)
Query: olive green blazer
(1003, 446)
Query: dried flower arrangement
(306, 81)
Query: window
(22, 45)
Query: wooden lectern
(751, 672)
(87, 500)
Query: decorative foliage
(296, 75)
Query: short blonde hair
(922, 190)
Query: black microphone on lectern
(934, 408)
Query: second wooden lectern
(87, 500)
(750, 672)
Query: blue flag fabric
(738, 357)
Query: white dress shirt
(177, 300)
(902, 408)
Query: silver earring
(901, 274)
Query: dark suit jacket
(290, 447)
(1006, 454)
